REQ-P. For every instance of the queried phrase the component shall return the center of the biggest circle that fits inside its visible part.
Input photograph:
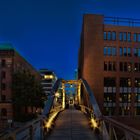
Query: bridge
(76, 117)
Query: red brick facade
(10, 61)
(100, 59)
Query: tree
(27, 93)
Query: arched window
(3, 112)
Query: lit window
(129, 67)
(48, 76)
(129, 82)
(136, 67)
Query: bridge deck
(72, 124)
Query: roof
(6, 46)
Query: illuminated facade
(48, 80)
(109, 59)
(10, 62)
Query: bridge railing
(96, 114)
(36, 129)
(120, 131)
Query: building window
(109, 82)
(109, 36)
(121, 66)
(129, 67)
(136, 52)
(114, 35)
(3, 74)
(137, 82)
(3, 97)
(105, 66)
(114, 51)
(3, 63)
(125, 82)
(121, 51)
(121, 36)
(110, 66)
(135, 37)
(125, 66)
(3, 112)
(105, 35)
(109, 51)
(138, 37)
(129, 37)
(3, 86)
(124, 51)
(125, 36)
(105, 51)
(129, 51)
(137, 67)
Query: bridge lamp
(93, 123)
(57, 94)
(48, 124)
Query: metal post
(63, 95)
(79, 93)
(110, 132)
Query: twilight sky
(47, 32)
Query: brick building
(109, 59)
(10, 61)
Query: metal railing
(95, 110)
(122, 21)
(120, 131)
(35, 129)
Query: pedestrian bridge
(75, 117)
(72, 124)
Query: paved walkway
(71, 124)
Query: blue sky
(47, 32)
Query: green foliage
(27, 92)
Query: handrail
(122, 126)
(92, 99)
(96, 109)
(49, 103)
